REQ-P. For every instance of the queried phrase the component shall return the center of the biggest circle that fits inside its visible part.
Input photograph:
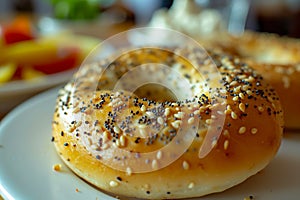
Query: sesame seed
(159, 155)
(243, 76)
(233, 115)
(226, 144)
(154, 164)
(250, 79)
(176, 124)
(226, 133)
(196, 112)
(167, 111)
(241, 95)
(254, 130)
(249, 92)
(220, 112)
(174, 104)
(113, 183)
(237, 89)
(227, 112)
(260, 109)
(128, 171)
(270, 99)
(227, 79)
(179, 115)
(214, 143)
(117, 129)
(228, 107)
(242, 107)
(143, 132)
(208, 121)
(185, 165)
(150, 114)
(191, 120)
(245, 87)
(160, 120)
(233, 83)
(236, 98)
(143, 108)
(191, 185)
(122, 140)
(242, 130)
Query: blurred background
(43, 41)
(278, 16)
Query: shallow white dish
(27, 156)
(13, 93)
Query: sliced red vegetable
(68, 60)
(19, 29)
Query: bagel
(153, 143)
(277, 58)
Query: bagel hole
(156, 92)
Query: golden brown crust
(276, 58)
(250, 135)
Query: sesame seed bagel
(277, 59)
(150, 142)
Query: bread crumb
(113, 183)
(57, 167)
(77, 190)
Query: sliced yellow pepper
(29, 73)
(39, 51)
(7, 72)
(28, 52)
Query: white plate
(14, 92)
(27, 157)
